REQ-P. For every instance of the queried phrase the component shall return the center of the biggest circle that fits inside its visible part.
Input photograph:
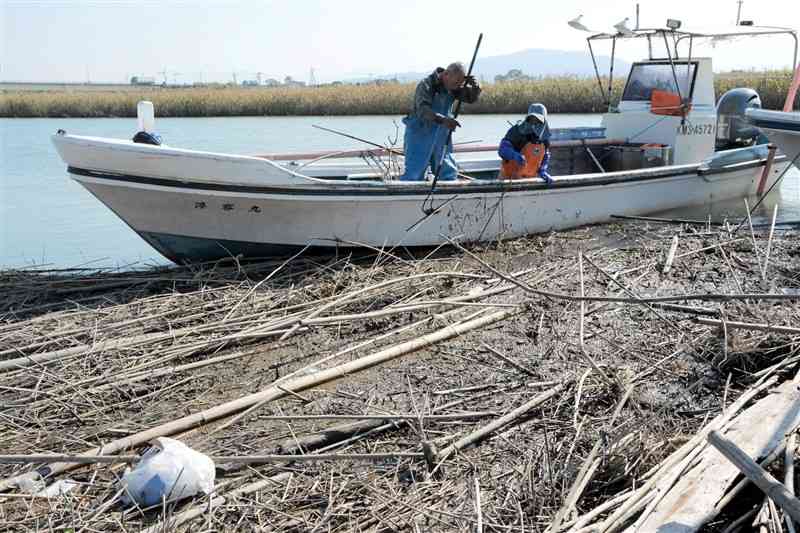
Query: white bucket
(145, 114)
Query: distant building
(291, 82)
(143, 80)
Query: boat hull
(782, 128)
(190, 221)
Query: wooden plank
(691, 502)
(770, 486)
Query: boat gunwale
(424, 188)
(124, 145)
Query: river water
(47, 219)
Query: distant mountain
(532, 62)
(541, 62)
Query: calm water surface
(48, 219)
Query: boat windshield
(645, 77)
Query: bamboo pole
(508, 360)
(478, 511)
(773, 488)
(230, 459)
(84, 349)
(769, 242)
(645, 300)
(670, 255)
(788, 476)
(752, 232)
(271, 393)
(76, 459)
(748, 325)
(432, 418)
(497, 424)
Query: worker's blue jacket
(426, 140)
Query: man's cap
(539, 111)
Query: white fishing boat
(782, 128)
(666, 145)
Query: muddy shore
(88, 358)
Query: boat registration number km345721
(695, 129)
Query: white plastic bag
(31, 483)
(169, 470)
(59, 488)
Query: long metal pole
(469, 73)
(672, 64)
(611, 71)
(597, 71)
(438, 169)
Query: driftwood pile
(580, 381)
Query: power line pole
(312, 80)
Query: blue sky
(111, 40)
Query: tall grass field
(559, 94)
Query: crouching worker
(525, 149)
(427, 137)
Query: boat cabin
(668, 103)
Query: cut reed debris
(469, 388)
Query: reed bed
(538, 410)
(559, 94)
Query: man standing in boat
(525, 150)
(431, 120)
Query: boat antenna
(429, 210)
(739, 11)
(637, 16)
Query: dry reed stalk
(525, 474)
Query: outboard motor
(733, 131)
(145, 115)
